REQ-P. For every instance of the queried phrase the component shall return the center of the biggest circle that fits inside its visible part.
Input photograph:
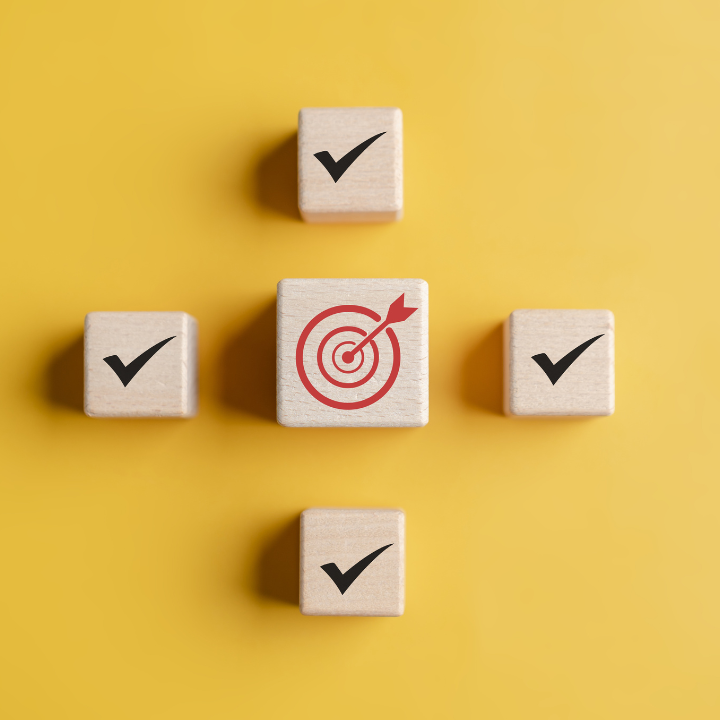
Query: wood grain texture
(345, 536)
(371, 189)
(587, 387)
(165, 386)
(405, 403)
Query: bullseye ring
(321, 365)
(299, 359)
(347, 359)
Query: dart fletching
(398, 312)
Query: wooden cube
(350, 164)
(559, 363)
(140, 364)
(352, 562)
(352, 353)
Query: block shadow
(482, 375)
(276, 179)
(277, 574)
(64, 377)
(247, 367)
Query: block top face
(340, 364)
(560, 362)
(352, 562)
(140, 364)
(350, 164)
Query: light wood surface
(165, 386)
(371, 189)
(587, 387)
(402, 353)
(345, 536)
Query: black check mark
(345, 580)
(337, 169)
(127, 372)
(555, 372)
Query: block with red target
(352, 353)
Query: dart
(397, 312)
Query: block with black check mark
(350, 164)
(352, 562)
(559, 363)
(140, 364)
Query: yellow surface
(557, 154)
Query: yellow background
(557, 154)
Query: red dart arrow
(396, 313)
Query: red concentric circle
(321, 365)
(346, 359)
(299, 362)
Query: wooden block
(339, 362)
(352, 562)
(559, 363)
(140, 364)
(350, 164)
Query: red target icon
(347, 354)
